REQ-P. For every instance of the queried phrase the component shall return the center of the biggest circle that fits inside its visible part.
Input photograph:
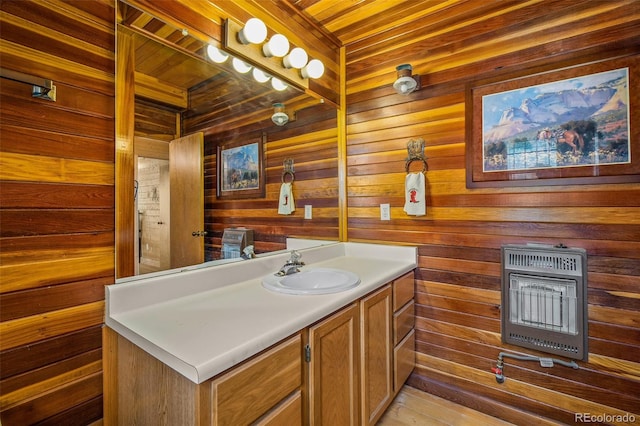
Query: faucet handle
(295, 257)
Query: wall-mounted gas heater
(544, 299)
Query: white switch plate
(385, 212)
(308, 209)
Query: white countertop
(201, 322)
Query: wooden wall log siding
(458, 278)
(57, 196)
(310, 139)
(57, 210)
(155, 122)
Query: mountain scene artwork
(240, 168)
(580, 121)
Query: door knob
(199, 233)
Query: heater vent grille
(544, 304)
(530, 260)
(545, 344)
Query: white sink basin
(312, 281)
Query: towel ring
(424, 164)
(288, 172)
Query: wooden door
(333, 369)
(376, 362)
(187, 200)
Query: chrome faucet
(291, 267)
(248, 253)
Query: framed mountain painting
(573, 125)
(240, 170)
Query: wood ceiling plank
(152, 88)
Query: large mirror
(181, 98)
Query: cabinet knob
(199, 233)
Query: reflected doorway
(153, 207)
(169, 203)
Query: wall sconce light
(405, 83)
(254, 31)
(277, 46)
(279, 117)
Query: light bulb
(277, 46)
(260, 76)
(254, 31)
(241, 66)
(216, 55)
(314, 69)
(278, 84)
(297, 58)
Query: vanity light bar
(253, 53)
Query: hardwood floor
(414, 407)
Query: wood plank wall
(310, 140)
(458, 278)
(57, 210)
(57, 198)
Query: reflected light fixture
(279, 117)
(277, 46)
(254, 31)
(405, 82)
(216, 55)
(278, 84)
(314, 69)
(260, 76)
(297, 58)
(241, 66)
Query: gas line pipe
(544, 362)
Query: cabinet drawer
(287, 413)
(403, 289)
(403, 322)
(404, 359)
(247, 392)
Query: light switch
(385, 212)
(308, 211)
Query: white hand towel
(415, 194)
(286, 204)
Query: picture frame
(574, 125)
(240, 169)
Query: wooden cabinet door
(376, 362)
(333, 369)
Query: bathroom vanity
(214, 346)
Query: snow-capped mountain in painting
(551, 105)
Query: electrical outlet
(385, 212)
(308, 211)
